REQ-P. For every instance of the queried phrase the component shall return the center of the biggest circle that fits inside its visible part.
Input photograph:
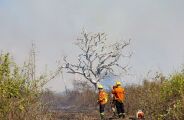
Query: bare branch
(97, 59)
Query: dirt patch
(76, 116)
(88, 115)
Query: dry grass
(146, 97)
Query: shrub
(20, 96)
(173, 94)
(160, 99)
(145, 97)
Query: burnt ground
(82, 115)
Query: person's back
(119, 93)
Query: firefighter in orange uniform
(102, 100)
(119, 94)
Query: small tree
(98, 58)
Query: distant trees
(98, 59)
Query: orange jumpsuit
(119, 94)
(102, 97)
(102, 100)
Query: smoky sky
(155, 28)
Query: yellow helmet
(118, 83)
(100, 87)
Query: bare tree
(98, 58)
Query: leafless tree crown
(98, 57)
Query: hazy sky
(156, 28)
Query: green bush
(173, 94)
(20, 96)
